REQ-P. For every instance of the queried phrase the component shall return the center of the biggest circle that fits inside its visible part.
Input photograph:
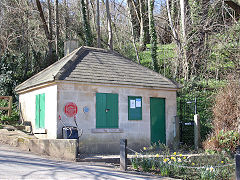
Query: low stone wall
(59, 148)
(66, 149)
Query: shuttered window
(106, 110)
(40, 111)
(134, 108)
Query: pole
(196, 131)
(237, 159)
(123, 154)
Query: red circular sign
(70, 109)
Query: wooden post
(176, 133)
(10, 106)
(197, 137)
(123, 154)
(237, 161)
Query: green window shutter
(37, 113)
(106, 110)
(112, 111)
(42, 111)
(101, 103)
(134, 108)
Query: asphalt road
(16, 164)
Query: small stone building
(110, 96)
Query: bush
(226, 113)
(12, 120)
(222, 141)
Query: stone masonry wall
(137, 132)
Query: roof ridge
(69, 63)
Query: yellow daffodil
(157, 155)
(180, 155)
(165, 160)
(174, 153)
(222, 162)
(193, 164)
(184, 157)
(144, 148)
(211, 169)
(175, 160)
(172, 158)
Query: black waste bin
(70, 133)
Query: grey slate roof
(93, 65)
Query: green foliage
(12, 73)
(165, 56)
(226, 141)
(204, 92)
(224, 57)
(13, 119)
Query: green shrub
(13, 119)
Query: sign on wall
(70, 109)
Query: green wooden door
(157, 118)
(40, 111)
(106, 110)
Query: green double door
(40, 111)
(157, 118)
(106, 110)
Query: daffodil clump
(183, 166)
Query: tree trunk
(98, 26)
(153, 36)
(132, 31)
(88, 32)
(48, 33)
(175, 38)
(66, 19)
(57, 28)
(45, 27)
(184, 40)
(110, 40)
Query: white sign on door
(138, 102)
(132, 104)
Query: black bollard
(237, 159)
(123, 154)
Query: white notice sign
(138, 102)
(132, 104)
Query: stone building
(110, 96)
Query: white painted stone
(28, 107)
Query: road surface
(16, 164)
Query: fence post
(10, 106)
(237, 161)
(196, 131)
(176, 132)
(123, 154)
